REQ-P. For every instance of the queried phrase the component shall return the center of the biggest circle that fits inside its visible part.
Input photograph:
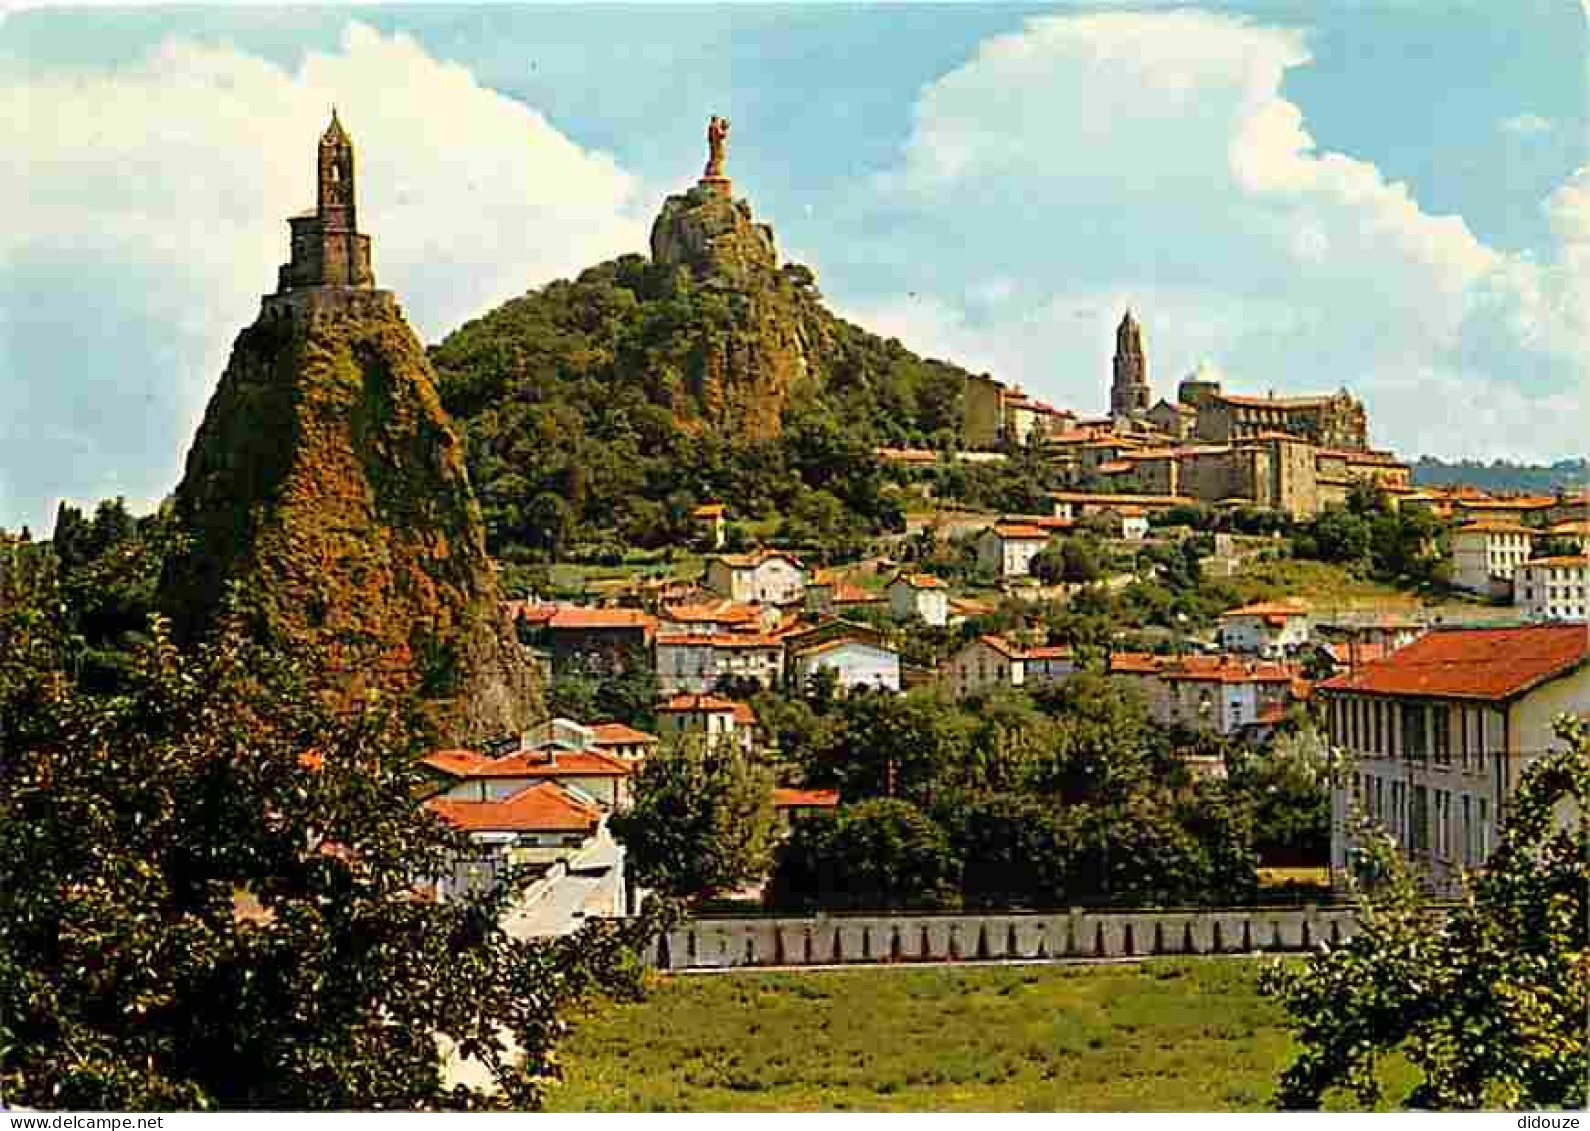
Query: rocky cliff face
(746, 365)
(328, 484)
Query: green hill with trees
(602, 410)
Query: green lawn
(1157, 1036)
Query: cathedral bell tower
(327, 248)
(1129, 395)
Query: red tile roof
(543, 807)
(717, 640)
(713, 612)
(784, 798)
(1225, 669)
(1473, 663)
(1269, 609)
(549, 762)
(1136, 663)
(1021, 532)
(920, 581)
(710, 705)
(1560, 560)
(575, 617)
(1013, 651)
(617, 734)
(1488, 526)
(457, 763)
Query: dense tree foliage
(1487, 998)
(208, 899)
(879, 854)
(1071, 796)
(702, 821)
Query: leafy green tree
(1487, 998)
(1014, 850)
(884, 745)
(702, 821)
(881, 854)
(207, 900)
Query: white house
(920, 595)
(1485, 554)
(1224, 694)
(995, 661)
(585, 771)
(541, 823)
(715, 718)
(855, 663)
(690, 662)
(1008, 548)
(1269, 628)
(1435, 736)
(1552, 588)
(770, 577)
(1127, 521)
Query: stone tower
(327, 249)
(326, 498)
(1130, 394)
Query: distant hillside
(604, 409)
(1501, 475)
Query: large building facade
(1431, 740)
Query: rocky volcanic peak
(746, 367)
(715, 237)
(328, 484)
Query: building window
(1467, 806)
(1419, 820)
(1485, 831)
(1441, 725)
(1415, 746)
(1379, 717)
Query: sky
(1385, 195)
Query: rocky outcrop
(327, 485)
(747, 362)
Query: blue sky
(1389, 197)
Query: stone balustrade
(901, 938)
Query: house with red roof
(1485, 554)
(792, 805)
(994, 661)
(595, 763)
(768, 577)
(1267, 628)
(1553, 588)
(542, 825)
(1434, 737)
(1007, 548)
(713, 717)
(1234, 696)
(858, 660)
(695, 663)
(919, 596)
(589, 639)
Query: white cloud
(150, 218)
(1526, 125)
(1151, 157)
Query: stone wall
(888, 938)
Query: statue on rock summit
(717, 141)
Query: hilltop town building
(1552, 588)
(1485, 554)
(1129, 392)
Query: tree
(892, 746)
(702, 821)
(1488, 1000)
(207, 899)
(1013, 850)
(878, 855)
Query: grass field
(1158, 1036)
